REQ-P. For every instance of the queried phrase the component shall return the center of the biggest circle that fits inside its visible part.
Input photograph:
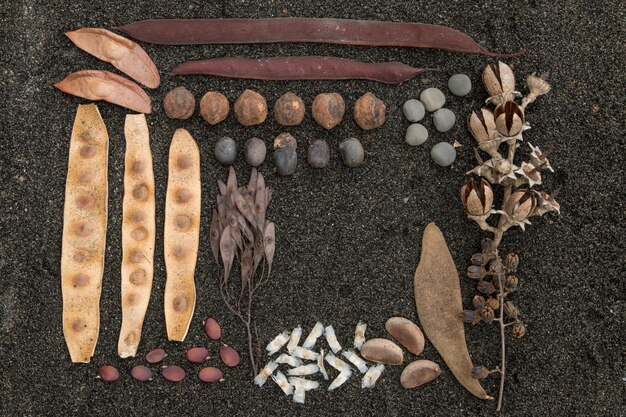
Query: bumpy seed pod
(476, 272)
(477, 198)
(214, 107)
(289, 110)
(487, 314)
(250, 108)
(478, 259)
(285, 156)
(511, 262)
(328, 109)
(470, 316)
(510, 310)
(486, 287)
(179, 104)
(487, 245)
(519, 329)
(482, 126)
(509, 118)
(499, 80)
(511, 283)
(369, 111)
(479, 301)
(520, 205)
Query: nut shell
(418, 373)
(250, 108)
(289, 110)
(382, 351)
(369, 112)
(328, 109)
(406, 333)
(214, 107)
(179, 103)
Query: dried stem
(502, 369)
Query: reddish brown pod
(229, 356)
(156, 356)
(141, 373)
(197, 354)
(210, 374)
(108, 373)
(212, 329)
(174, 373)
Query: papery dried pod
(509, 118)
(546, 203)
(510, 310)
(511, 283)
(538, 86)
(124, 54)
(519, 329)
(418, 373)
(528, 174)
(538, 158)
(406, 333)
(520, 205)
(482, 126)
(104, 85)
(499, 80)
(477, 198)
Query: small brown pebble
(179, 103)
(210, 374)
(212, 328)
(289, 110)
(328, 109)
(229, 356)
(197, 354)
(108, 373)
(250, 108)
(141, 373)
(214, 107)
(382, 351)
(369, 112)
(418, 373)
(174, 373)
(155, 355)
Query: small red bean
(197, 354)
(212, 328)
(173, 373)
(141, 373)
(108, 373)
(229, 356)
(156, 355)
(210, 374)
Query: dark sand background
(348, 239)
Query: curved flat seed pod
(104, 85)
(84, 232)
(138, 231)
(122, 53)
(438, 301)
(181, 233)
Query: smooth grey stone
(286, 160)
(352, 152)
(255, 151)
(416, 134)
(225, 151)
(432, 99)
(318, 154)
(413, 110)
(443, 154)
(444, 119)
(460, 85)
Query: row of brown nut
(250, 108)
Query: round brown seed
(137, 216)
(212, 328)
(138, 167)
(135, 256)
(214, 107)
(179, 103)
(89, 135)
(137, 277)
(289, 110)
(139, 233)
(197, 354)
(108, 373)
(173, 373)
(182, 195)
(182, 222)
(131, 298)
(80, 280)
(210, 374)
(78, 325)
(85, 177)
(84, 200)
(184, 161)
(141, 373)
(81, 256)
(229, 356)
(88, 151)
(369, 111)
(179, 304)
(250, 108)
(155, 355)
(328, 109)
(180, 252)
(140, 192)
(83, 229)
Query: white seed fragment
(298, 395)
(303, 383)
(359, 335)
(337, 363)
(331, 338)
(355, 360)
(304, 370)
(320, 364)
(265, 373)
(289, 360)
(281, 381)
(341, 378)
(316, 332)
(296, 334)
(278, 342)
(306, 354)
(372, 375)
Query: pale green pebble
(460, 85)
(444, 119)
(416, 134)
(413, 110)
(433, 99)
(443, 154)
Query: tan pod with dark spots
(181, 233)
(84, 232)
(138, 231)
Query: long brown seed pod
(301, 29)
(301, 68)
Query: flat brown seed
(406, 333)
(418, 373)
(140, 233)
(174, 373)
(183, 195)
(155, 356)
(179, 304)
(184, 161)
(229, 356)
(140, 192)
(88, 151)
(135, 256)
(108, 373)
(197, 354)
(182, 222)
(141, 373)
(78, 325)
(84, 201)
(83, 229)
(382, 351)
(81, 256)
(212, 329)
(210, 374)
(138, 167)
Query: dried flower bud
(487, 314)
(470, 316)
(493, 303)
(509, 118)
(520, 205)
(477, 198)
(498, 280)
(495, 267)
(538, 86)
(479, 301)
(486, 287)
(519, 329)
(510, 310)
(482, 126)
(476, 272)
(487, 245)
(511, 262)
(511, 283)
(499, 79)
(478, 259)
(479, 372)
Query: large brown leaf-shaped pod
(438, 302)
(122, 53)
(104, 85)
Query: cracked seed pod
(499, 80)
(509, 118)
(477, 198)
(538, 158)
(482, 125)
(511, 262)
(487, 314)
(528, 173)
(519, 329)
(476, 272)
(538, 85)
(485, 287)
(479, 301)
(470, 316)
(520, 205)
(511, 283)
(546, 203)
(510, 310)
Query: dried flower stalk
(240, 230)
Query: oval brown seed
(139, 233)
(183, 195)
(131, 298)
(382, 351)
(140, 192)
(80, 280)
(138, 167)
(137, 216)
(141, 373)
(406, 333)
(155, 355)
(229, 356)
(78, 325)
(173, 373)
(88, 151)
(108, 373)
(418, 373)
(81, 256)
(83, 229)
(179, 303)
(183, 222)
(197, 354)
(183, 161)
(179, 252)
(210, 374)
(84, 200)
(135, 256)
(212, 328)
(138, 277)
(85, 177)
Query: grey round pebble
(413, 110)
(318, 154)
(460, 85)
(444, 119)
(432, 99)
(416, 134)
(443, 154)
(255, 151)
(286, 161)
(352, 152)
(225, 151)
